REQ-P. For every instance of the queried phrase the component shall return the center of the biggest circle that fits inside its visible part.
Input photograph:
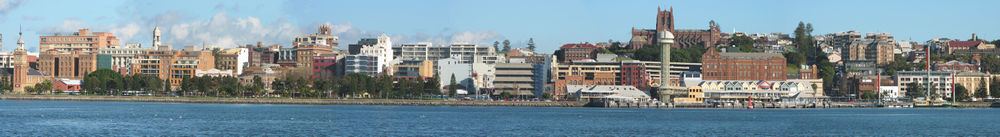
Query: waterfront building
(973, 81)
(517, 79)
(364, 64)
(20, 74)
(324, 65)
(214, 73)
(743, 66)
(454, 66)
(739, 90)
(72, 64)
(67, 85)
(173, 65)
(941, 81)
(234, 59)
(426, 51)
(119, 58)
(382, 50)
(889, 92)
(414, 69)
(81, 40)
(608, 93)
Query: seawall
(297, 101)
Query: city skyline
(550, 23)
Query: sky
(551, 23)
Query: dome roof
(666, 35)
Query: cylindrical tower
(666, 41)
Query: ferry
(928, 103)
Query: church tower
(156, 38)
(20, 64)
(665, 20)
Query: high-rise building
(426, 51)
(81, 40)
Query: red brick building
(634, 74)
(578, 51)
(743, 66)
(323, 65)
(957, 66)
(66, 85)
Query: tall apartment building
(467, 53)
(364, 64)
(81, 40)
(120, 58)
(383, 50)
(172, 65)
(70, 65)
(941, 81)
(868, 49)
(743, 66)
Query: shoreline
(402, 102)
(288, 101)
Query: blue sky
(550, 22)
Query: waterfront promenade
(417, 102)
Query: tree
(452, 88)
(744, 43)
(915, 90)
(961, 93)
(991, 63)
(506, 46)
(103, 81)
(45, 86)
(648, 53)
(995, 88)
(257, 88)
(869, 95)
(496, 45)
(546, 95)
(531, 44)
(506, 94)
(795, 58)
(981, 91)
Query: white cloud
(7, 6)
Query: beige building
(173, 65)
(70, 65)
(81, 40)
(973, 81)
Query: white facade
(467, 53)
(213, 73)
(383, 50)
(889, 92)
(122, 57)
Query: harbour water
(72, 118)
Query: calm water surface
(71, 118)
